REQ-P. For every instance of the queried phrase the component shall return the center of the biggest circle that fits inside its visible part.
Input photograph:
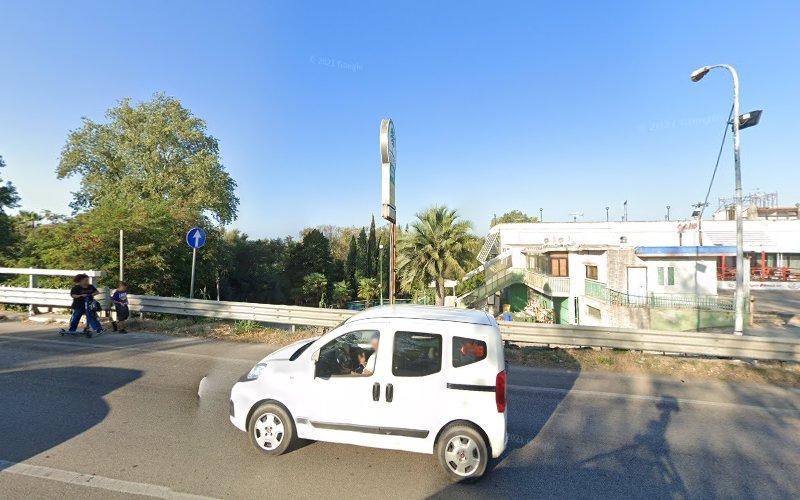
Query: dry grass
(638, 363)
(235, 331)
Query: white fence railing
(697, 343)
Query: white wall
(691, 276)
(759, 235)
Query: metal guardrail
(265, 313)
(360, 305)
(49, 297)
(705, 344)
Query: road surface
(119, 417)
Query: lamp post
(696, 76)
(380, 271)
(540, 215)
(668, 207)
(607, 214)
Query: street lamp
(607, 214)
(380, 264)
(696, 76)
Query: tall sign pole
(195, 238)
(388, 207)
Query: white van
(415, 378)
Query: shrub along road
(119, 417)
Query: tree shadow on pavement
(642, 468)
(42, 408)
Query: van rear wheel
(462, 452)
(271, 429)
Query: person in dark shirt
(82, 298)
(120, 300)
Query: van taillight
(500, 391)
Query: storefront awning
(707, 251)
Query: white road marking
(655, 399)
(93, 481)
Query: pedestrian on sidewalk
(83, 294)
(120, 300)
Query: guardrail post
(32, 283)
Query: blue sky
(497, 105)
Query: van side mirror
(315, 357)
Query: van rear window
(416, 354)
(467, 351)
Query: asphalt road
(119, 417)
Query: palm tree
(435, 248)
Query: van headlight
(255, 371)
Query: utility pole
(698, 212)
(121, 255)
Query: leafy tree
(437, 247)
(156, 151)
(252, 270)
(361, 246)
(341, 293)
(513, 216)
(8, 193)
(313, 287)
(368, 288)
(312, 255)
(8, 199)
(351, 264)
(372, 251)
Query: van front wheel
(462, 452)
(271, 429)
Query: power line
(716, 165)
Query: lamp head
(699, 73)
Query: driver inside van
(369, 366)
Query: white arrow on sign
(196, 239)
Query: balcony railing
(596, 290)
(551, 285)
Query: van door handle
(376, 391)
(389, 393)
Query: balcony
(555, 286)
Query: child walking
(120, 300)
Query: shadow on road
(642, 468)
(42, 408)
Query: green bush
(242, 327)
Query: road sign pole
(194, 261)
(392, 261)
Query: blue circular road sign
(196, 237)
